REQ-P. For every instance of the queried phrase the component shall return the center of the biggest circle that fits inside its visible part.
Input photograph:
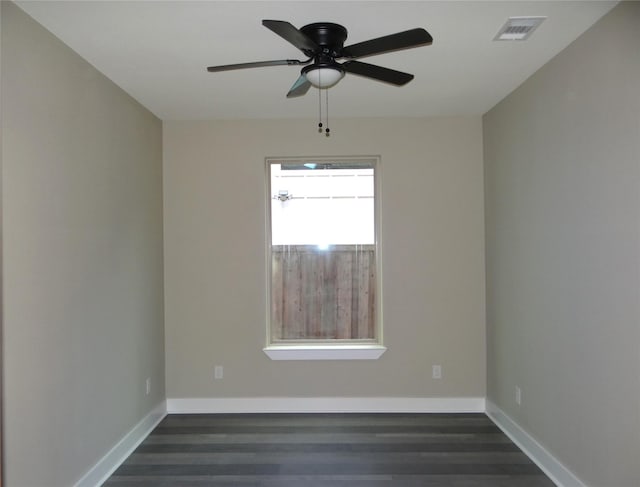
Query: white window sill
(324, 352)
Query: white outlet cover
(436, 371)
(218, 372)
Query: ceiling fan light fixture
(323, 76)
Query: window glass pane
(322, 206)
(323, 253)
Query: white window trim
(323, 350)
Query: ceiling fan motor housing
(325, 71)
(330, 37)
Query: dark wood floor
(311, 450)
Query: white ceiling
(157, 51)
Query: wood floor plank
(266, 450)
(324, 458)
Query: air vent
(518, 28)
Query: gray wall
(432, 244)
(83, 296)
(562, 172)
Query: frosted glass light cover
(324, 77)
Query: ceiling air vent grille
(518, 28)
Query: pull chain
(319, 110)
(326, 130)
(326, 94)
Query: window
(322, 253)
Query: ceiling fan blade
(257, 64)
(290, 34)
(300, 87)
(379, 73)
(394, 42)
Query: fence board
(323, 294)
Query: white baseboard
(102, 470)
(550, 465)
(327, 405)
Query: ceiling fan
(323, 43)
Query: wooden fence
(323, 294)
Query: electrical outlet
(218, 372)
(436, 371)
(518, 396)
(148, 385)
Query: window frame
(321, 349)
